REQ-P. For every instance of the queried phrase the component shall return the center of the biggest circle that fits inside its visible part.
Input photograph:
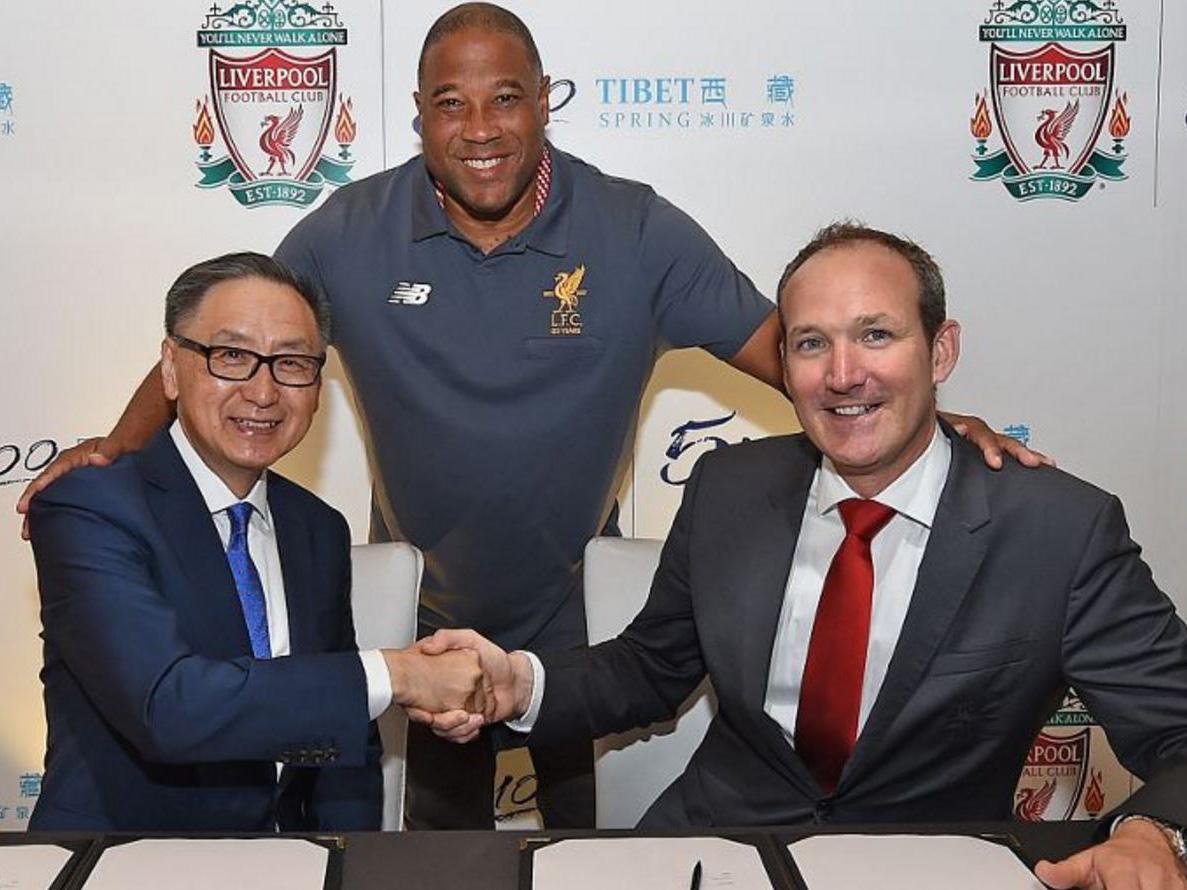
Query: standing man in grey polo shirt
(499, 305)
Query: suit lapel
(955, 550)
(770, 542)
(296, 564)
(208, 607)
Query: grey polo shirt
(500, 392)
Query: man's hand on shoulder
(1136, 857)
(993, 444)
(98, 451)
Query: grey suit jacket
(1030, 582)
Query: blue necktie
(247, 581)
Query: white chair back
(384, 593)
(632, 768)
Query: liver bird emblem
(1053, 132)
(568, 288)
(1032, 802)
(277, 139)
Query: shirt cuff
(528, 720)
(379, 682)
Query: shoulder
(756, 466)
(96, 488)
(358, 206)
(592, 185)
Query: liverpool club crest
(1051, 73)
(273, 101)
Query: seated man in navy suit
(887, 623)
(196, 606)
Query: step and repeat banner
(1038, 148)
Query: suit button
(824, 811)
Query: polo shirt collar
(547, 233)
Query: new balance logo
(410, 293)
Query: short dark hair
(932, 311)
(484, 16)
(186, 293)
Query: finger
(446, 639)
(488, 689)
(419, 715)
(98, 459)
(1075, 871)
(476, 702)
(450, 720)
(25, 528)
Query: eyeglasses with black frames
(237, 363)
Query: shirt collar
(546, 232)
(915, 494)
(215, 493)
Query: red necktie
(830, 691)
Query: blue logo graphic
(30, 784)
(695, 103)
(684, 441)
(1019, 431)
(6, 125)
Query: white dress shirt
(897, 551)
(261, 544)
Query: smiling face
(857, 363)
(240, 427)
(483, 108)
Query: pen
(695, 883)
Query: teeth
(853, 410)
(257, 424)
(481, 163)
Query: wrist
(1169, 834)
(523, 681)
(397, 668)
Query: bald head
(483, 17)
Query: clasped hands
(457, 681)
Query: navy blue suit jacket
(158, 717)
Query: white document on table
(647, 863)
(205, 863)
(909, 862)
(31, 866)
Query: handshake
(457, 681)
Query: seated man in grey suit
(196, 605)
(887, 622)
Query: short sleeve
(701, 298)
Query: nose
(261, 389)
(846, 370)
(480, 124)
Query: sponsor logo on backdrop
(273, 102)
(21, 463)
(692, 439)
(1059, 775)
(7, 124)
(1019, 431)
(29, 785)
(1051, 86)
(565, 319)
(688, 102)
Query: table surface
(490, 859)
(448, 860)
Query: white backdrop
(764, 120)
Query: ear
(945, 351)
(783, 362)
(542, 98)
(169, 368)
(416, 101)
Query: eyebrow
(228, 337)
(503, 84)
